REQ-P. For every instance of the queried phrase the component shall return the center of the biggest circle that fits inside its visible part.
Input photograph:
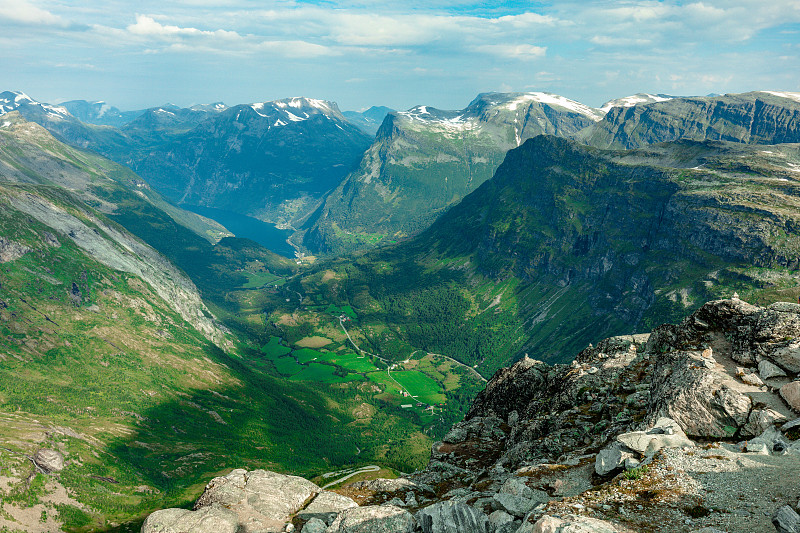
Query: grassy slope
(567, 245)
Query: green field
(306, 355)
(322, 373)
(421, 386)
(350, 361)
(343, 310)
(287, 366)
(274, 349)
(256, 280)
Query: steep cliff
(766, 117)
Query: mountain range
(150, 349)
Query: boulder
(786, 520)
(760, 420)
(752, 379)
(452, 517)
(373, 519)
(768, 370)
(499, 518)
(49, 460)
(609, 459)
(791, 394)
(386, 485)
(213, 518)
(665, 433)
(315, 525)
(326, 506)
(262, 500)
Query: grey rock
(609, 459)
(768, 370)
(786, 520)
(10, 250)
(315, 525)
(386, 485)
(760, 420)
(212, 519)
(519, 506)
(499, 518)
(262, 500)
(631, 463)
(373, 519)
(572, 524)
(752, 379)
(49, 460)
(411, 500)
(452, 517)
(791, 425)
(326, 505)
(666, 433)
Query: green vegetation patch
(274, 349)
(287, 365)
(350, 361)
(421, 386)
(322, 373)
(306, 355)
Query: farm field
(421, 386)
(350, 361)
(322, 373)
(274, 349)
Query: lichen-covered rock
(10, 250)
(452, 517)
(373, 519)
(212, 519)
(572, 524)
(326, 505)
(262, 500)
(314, 525)
(786, 520)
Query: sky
(360, 53)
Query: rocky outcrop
(49, 460)
(10, 250)
(605, 444)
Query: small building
(406, 406)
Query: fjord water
(263, 233)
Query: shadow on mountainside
(178, 446)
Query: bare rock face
(262, 500)
(49, 460)
(326, 506)
(10, 250)
(452, 517)
(214, 518)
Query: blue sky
(399, 54)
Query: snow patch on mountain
(630, 101)
(554, 100)
(783, 94)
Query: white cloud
(515, 51)
(147, 26)
(24, 12)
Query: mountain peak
(635, 99)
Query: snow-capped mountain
(271, 159)
(425, 160)
(635, 99)
(19, 101)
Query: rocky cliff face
(692, 426)
(425, 160)
(767, 117)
